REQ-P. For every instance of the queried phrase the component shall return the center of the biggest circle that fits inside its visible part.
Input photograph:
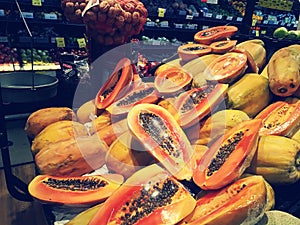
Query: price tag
(254, 23)
(195, 14)
(229, 18)
(161, 12)
(2, 13)
(50, 16)
(209, 15)
(205, 27)
(150, 24)
(189, 17)
(60, 42)
(212, 2)
(257, 33)
(28, 15)
(81, 42)
(37, 2)
(219, 17)
(239, 19)
(3, 39)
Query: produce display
(203, 139)
(109, 22)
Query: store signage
(50, 16)
(161, 12)
(229, 18)
(37, 2)
(81, 42)
(219, 17)
(209, 15)
(3, 39)
(150, 24)
(210, 1)
(189, 17)
(2, 13)
(27, 15)
(60, 42)
(239, 19)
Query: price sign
(161, 12)
(3, 39)
(2, 13)
(189, 17)
(50, 16)
(219, 17)
(239, 19)
(229, 18)
(37, 2)
(28, 15)
(60, 42)
(81, 42)
(257, 33)
(150, 24)
(209, 15)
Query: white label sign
(2, 13)
(50, 16)
(209, 15)
(28, 15)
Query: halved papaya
(141, 93)
(161, 135)
(191, 51)
(172, 80)
(228, 157)
(280, 118)
(117, 82)
(227, 67)
(78, 190)
(222, 46)
(195, 104)
(149, 196)
(209, 35)
(242, 202)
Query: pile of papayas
(201, 142)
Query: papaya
(215, 126)
(222, 47)
(283, 72)
(228, 157)
(163, 138)
(250, 94)
(72, 157)
(41, 118)
(256, 50)
(197, 66)
(78, 190)
(241, 202)
(98, 123)
(227, 68)
(126, 155)
(280, 118)
(111, 132)
(86, 112)
(149, 196)
(58, 131)
(189, 51)
(172, 81)
(277, 159)
(196, 103)
(209, 35)
(175, 63)
(142, 93)
(117, 83)
(169, 104)
(85, 216)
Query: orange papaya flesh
(149, 196)
(243, 201)
(195, 104)
(222, 46)
(75, 190)
(228, 157)
(117, 81)
(165, 140)
(209, 35)
(187, 52)
(227, 68)
(142, 93)
(252, 66)
(280, 118)
(172, 80)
